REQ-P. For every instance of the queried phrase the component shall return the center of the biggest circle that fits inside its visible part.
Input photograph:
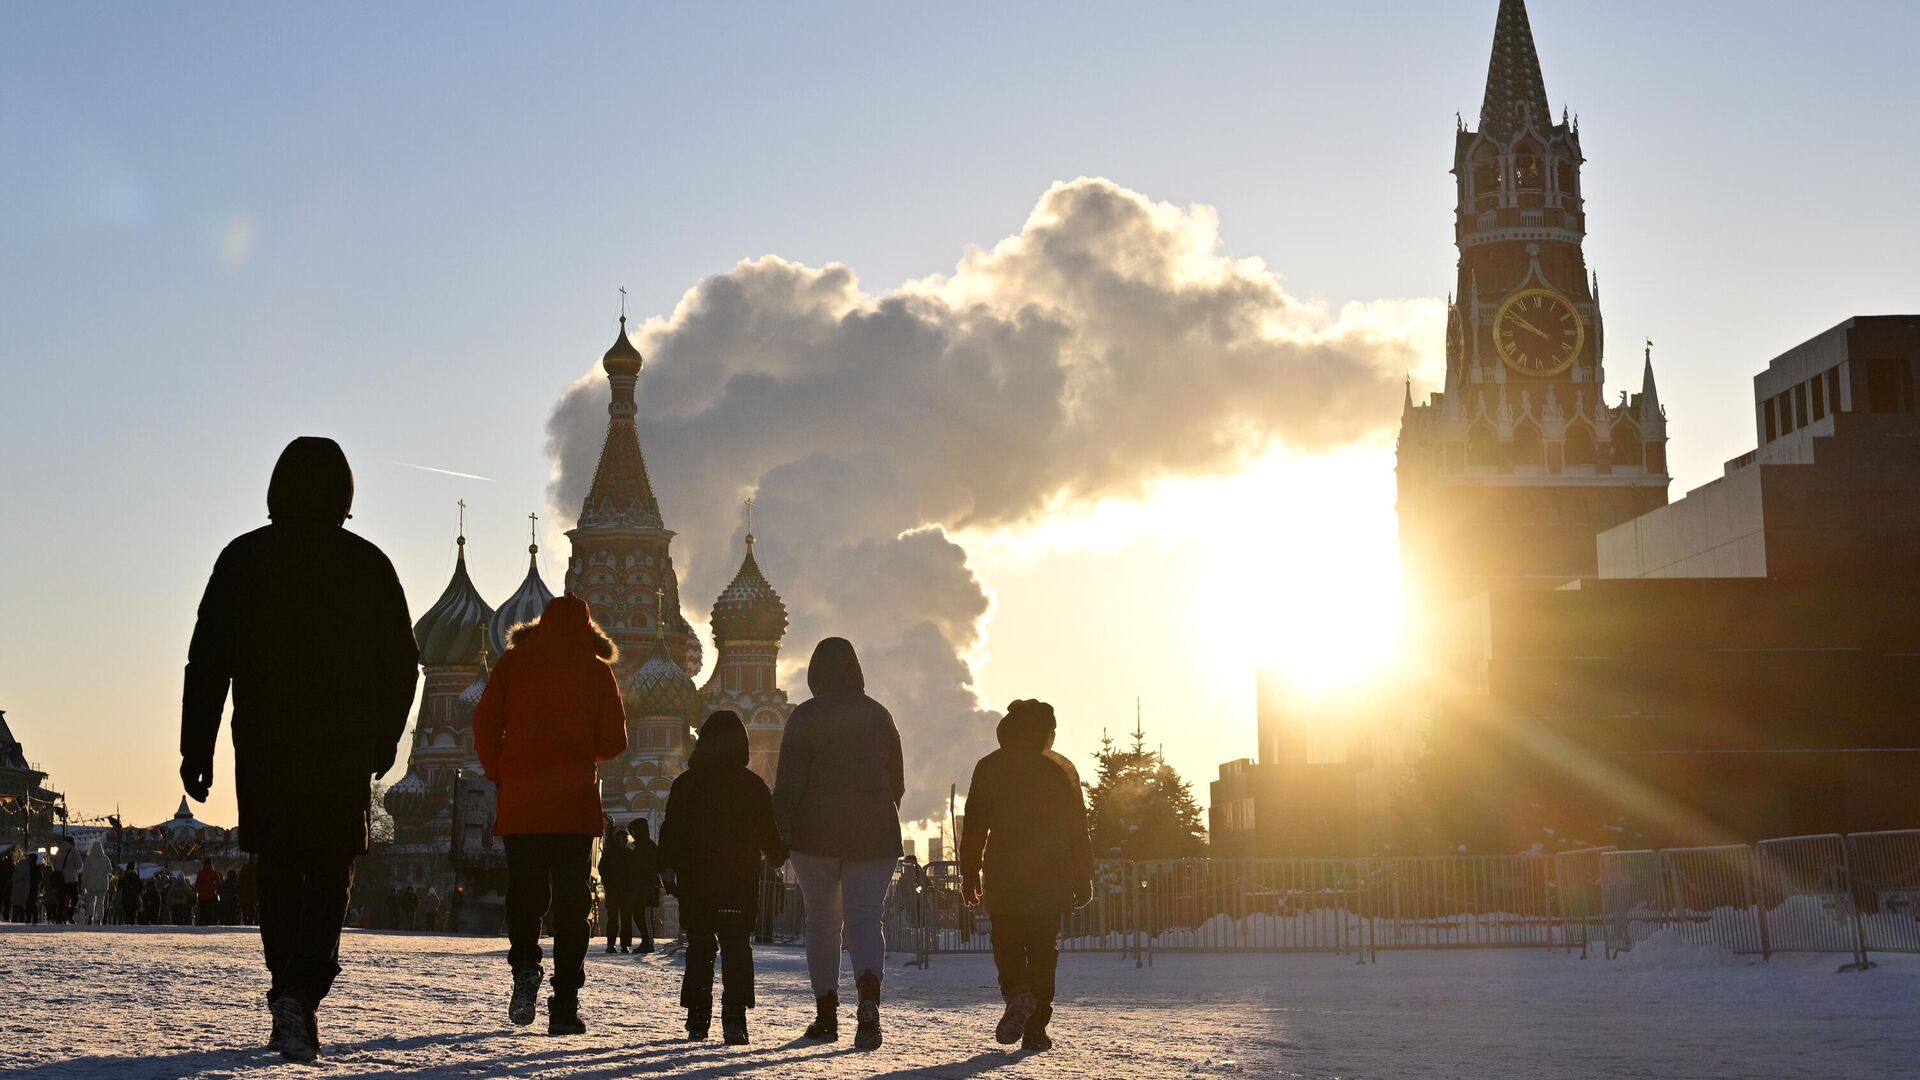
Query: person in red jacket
(206, 889)
(550, 714)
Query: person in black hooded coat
(719, 823)
(308, 626)
(1026, 830)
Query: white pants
(843, 895)
(94, 908)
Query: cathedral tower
(1507, 475)
(749, 620)
(620, 544)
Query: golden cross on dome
(462, 504)
(660, 610)
(749, 521)
(623, 301)
(533, 530)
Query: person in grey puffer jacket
(836, 801)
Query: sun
(1305, 576)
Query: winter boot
(526, 996)
(290, 1022)
(563, 1015)
(826, 1019)
(699, 1022)
(1013, 1022)
(609, 948)
(733, 1025)
(866, 1032)
(1036, 1037)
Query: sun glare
(1299, 572)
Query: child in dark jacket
(1026, 828)
(719, 822)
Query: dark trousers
(303, 900)
(1025, 953)
(727, 933)
(210, 912)
(549, 871)
(620, 912)
(643, 914)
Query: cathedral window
(1486, 177)
(1526, 445)
(1626, 446)
(1482, 447)
(1579, 446)
(1800, 405)
(1529, 167)
(1767, 419)
(1568, 180)
(1819, 398)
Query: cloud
(1106, 345)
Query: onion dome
(661, 687)
(469, 699)
(524, 606)
(622, 358)
(408, 797)
(453, 630)
(749, 609)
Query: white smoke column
(1106, 345)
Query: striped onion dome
(453, 631)
(408, 796)
(524, 606)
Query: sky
(224, 226)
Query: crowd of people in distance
(551, 712)
(64, 886)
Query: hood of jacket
(723, 742)
(835, 669)
(565, 620)
(311, 484)
(1028, 726)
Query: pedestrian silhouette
(837, 802)
(719, 823)
(1026, 831)
(645, 869)
(617, 887)
(307, 625)
(551, 712)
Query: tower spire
(1515, 90)
(1649, 393)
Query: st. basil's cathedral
(621, 564)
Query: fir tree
(1138, 807)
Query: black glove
(970, 890)
(670, 883)
(197, 775)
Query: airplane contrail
(444, 472)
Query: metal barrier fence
(1853, 894)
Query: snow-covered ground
(164, 1003)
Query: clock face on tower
(1538, 332)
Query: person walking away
(616, 861)
(409, 907)
(644, 877)
(206, 890)
(306, 623)
(837, 803)
(718, 826)
(152, 900)
(430, 909)
(551, 712)
(1026, 831)
(127, 892)
(73, 865)
(180, 898)
(247, 892)
(22, 886)
(96, 878)
(229, 899)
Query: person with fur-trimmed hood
(550, 714)
(719, 823)
(1026, 831)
